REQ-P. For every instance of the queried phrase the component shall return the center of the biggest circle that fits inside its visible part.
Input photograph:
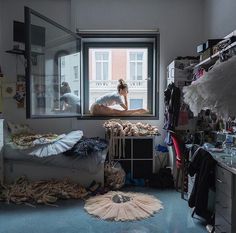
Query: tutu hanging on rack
(215, 90)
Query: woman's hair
(122, 85)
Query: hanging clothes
(203, 166)
(172, 97)
(172, 106)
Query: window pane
(132, 56)
(76, 74)
(98, 71)
(105, 56)
(105, 70)
(98, 56)
(110, 71)
(139, 56)
(54, 71)
(136, 103)
(132, 71)
(139, 71)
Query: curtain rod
(128, 31)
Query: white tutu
(215, 90)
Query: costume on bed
(87, 146)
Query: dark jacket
(203, 166)
(172, 106)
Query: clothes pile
(86, 146)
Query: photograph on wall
(20, 91)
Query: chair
(179, 148)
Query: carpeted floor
(70, 217)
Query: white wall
(180, 23)
(1, 31)
(219, 18)
(58, 10)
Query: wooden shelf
(212, 59)
(16, 51)
(22, 52)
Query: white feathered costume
(216, 90)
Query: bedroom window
(67, 73)
(131, 59)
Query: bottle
(227, 144)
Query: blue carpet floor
(70, 217)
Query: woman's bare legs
(101, 110)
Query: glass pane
(139, 56)
(98, 71)
(105, 56)
(55, 71)
(119, 67)
(136, 103)
(132, 56)
(105, 70)
(132, 71)
(98, 56)
(139, 70)
(76, 74)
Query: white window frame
(144, 61)
(109, 63)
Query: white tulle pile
(216, 90)
(139, 206)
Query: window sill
(143, 117)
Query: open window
(53, 82)
(67, 73)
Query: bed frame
(10, 170)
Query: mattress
(89, 164)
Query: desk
(225, 204)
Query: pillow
(18, 128)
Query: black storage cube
(142, 148)
(142, 168)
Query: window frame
(131, 39)
(118, 41)
(28, 13)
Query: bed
(16, 163)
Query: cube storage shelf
(138, 156)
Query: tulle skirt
(216, 90)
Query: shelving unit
(22, 52)
(212, 59)
(138, 155)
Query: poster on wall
(20, 91)
(8, 90)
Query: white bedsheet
(89, 164)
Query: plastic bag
(114, 175)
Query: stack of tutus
(215, 90)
